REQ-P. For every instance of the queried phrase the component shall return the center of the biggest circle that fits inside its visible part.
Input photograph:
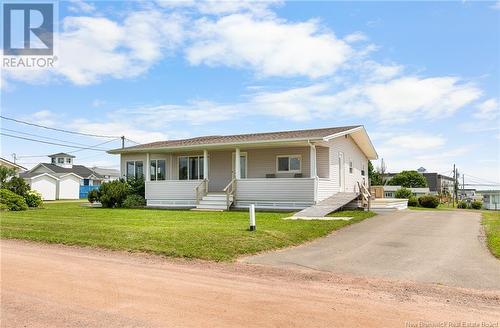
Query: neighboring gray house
(107, 174)
(390, 191)
(278, 170)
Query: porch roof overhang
(358, 134)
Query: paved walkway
(444, 247)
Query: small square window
(288, 163)
(283, 164)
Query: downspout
(315, 177)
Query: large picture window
(135, 169)
(191, 168)
(157, 170)
(289, 164)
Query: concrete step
(213, 202)
(215, 198)
(211, 207)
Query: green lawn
(440, 207)
(220, 236)
(491, 222)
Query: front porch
(278, 178)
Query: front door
(341, 172)
(243, 165)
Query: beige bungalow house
(274, 170)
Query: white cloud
(91, 48)
(488, 110)
(396, 101)
(80, 6)
(496, 6)
(271, 47)
(260, 8)
(355, 37)
(412, 141)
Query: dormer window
(68, 160)
(53, 160)
(60, 160)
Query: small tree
(5, 175)
(374, 176)
(137, 186)
(408, 179)
(17, 185)
(403, 193)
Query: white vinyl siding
(278, 190)
(46, 186)
(171, 189)
(351, 152)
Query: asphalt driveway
(443, 247)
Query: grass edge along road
(491, 224)
(217, 236)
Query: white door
(243, 165)
(341, 172)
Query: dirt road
(56, 286)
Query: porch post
(148, 168)
(312, 161)
(205, 164)
(237, 168)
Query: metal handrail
(230, 190)
(203, 183)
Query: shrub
(134, 201)
(93, 196)
(477, 205)
(33, 199)
(3, 207)
(462, 204)
(413, 201)
(17, 185)
(112, 194)
(136, 186)
(429, 201)
(12, 201)
(403, 193)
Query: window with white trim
(135, 169)
(289, 164)
(157, 169)
(191, 168)
(60, 160)
(350, 166)
(363, 169)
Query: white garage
(46, 185)
(69, 186)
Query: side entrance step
(328, 205)
(214, 202)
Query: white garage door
(69, 187)
(46, 186)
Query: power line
(40, 136)
(56, 129)
(58, 144)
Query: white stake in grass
(252, 217)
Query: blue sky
(422, 77)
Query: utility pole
(463, 184)
(123, 141)
(454, 183)
(14, 156)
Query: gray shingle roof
(234, 139)
(61, 155)
(79, 170)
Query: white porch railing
(172, 190)
(277, 189)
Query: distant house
(11, 165)
(107, 174)
(491, 199)
(277, 170)
(390, 191)
(468, 194)
(61, 179)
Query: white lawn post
(252, 217)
